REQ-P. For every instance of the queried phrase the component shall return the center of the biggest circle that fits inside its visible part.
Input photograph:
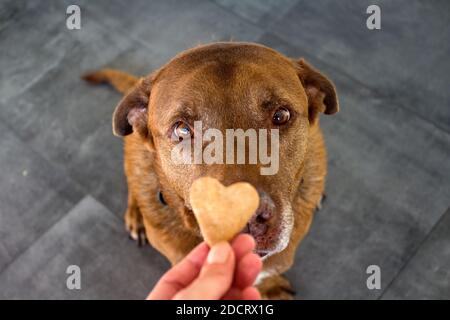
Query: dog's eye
(182, 131)
(281, 116)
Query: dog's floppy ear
(131, 112)
(320, 90)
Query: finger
(215, 277)
(247, 270)
(250, 293)
(242, 244)
(181, 275)
(233, 294)
(245, 274)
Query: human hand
(223, 272)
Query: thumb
(215, 277)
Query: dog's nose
(259, 223)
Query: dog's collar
(161, 198)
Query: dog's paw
(322, 199)
(276, 288)
(135, 226)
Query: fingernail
(219, 253)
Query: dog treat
(222, 212)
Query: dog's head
(231, 86)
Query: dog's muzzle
(267, 226)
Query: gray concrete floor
(62, 186)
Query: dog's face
(231, 86)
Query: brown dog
(224, 85)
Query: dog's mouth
(270, 229)
(266, 236)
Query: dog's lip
(261, 253)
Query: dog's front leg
(134, 222)
(276, 287)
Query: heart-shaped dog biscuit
(221, 211)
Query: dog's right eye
(181, 131)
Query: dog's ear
(131, 112)
(320, 90)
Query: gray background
(62, 186)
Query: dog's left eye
(281, 116)
(181, 131)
